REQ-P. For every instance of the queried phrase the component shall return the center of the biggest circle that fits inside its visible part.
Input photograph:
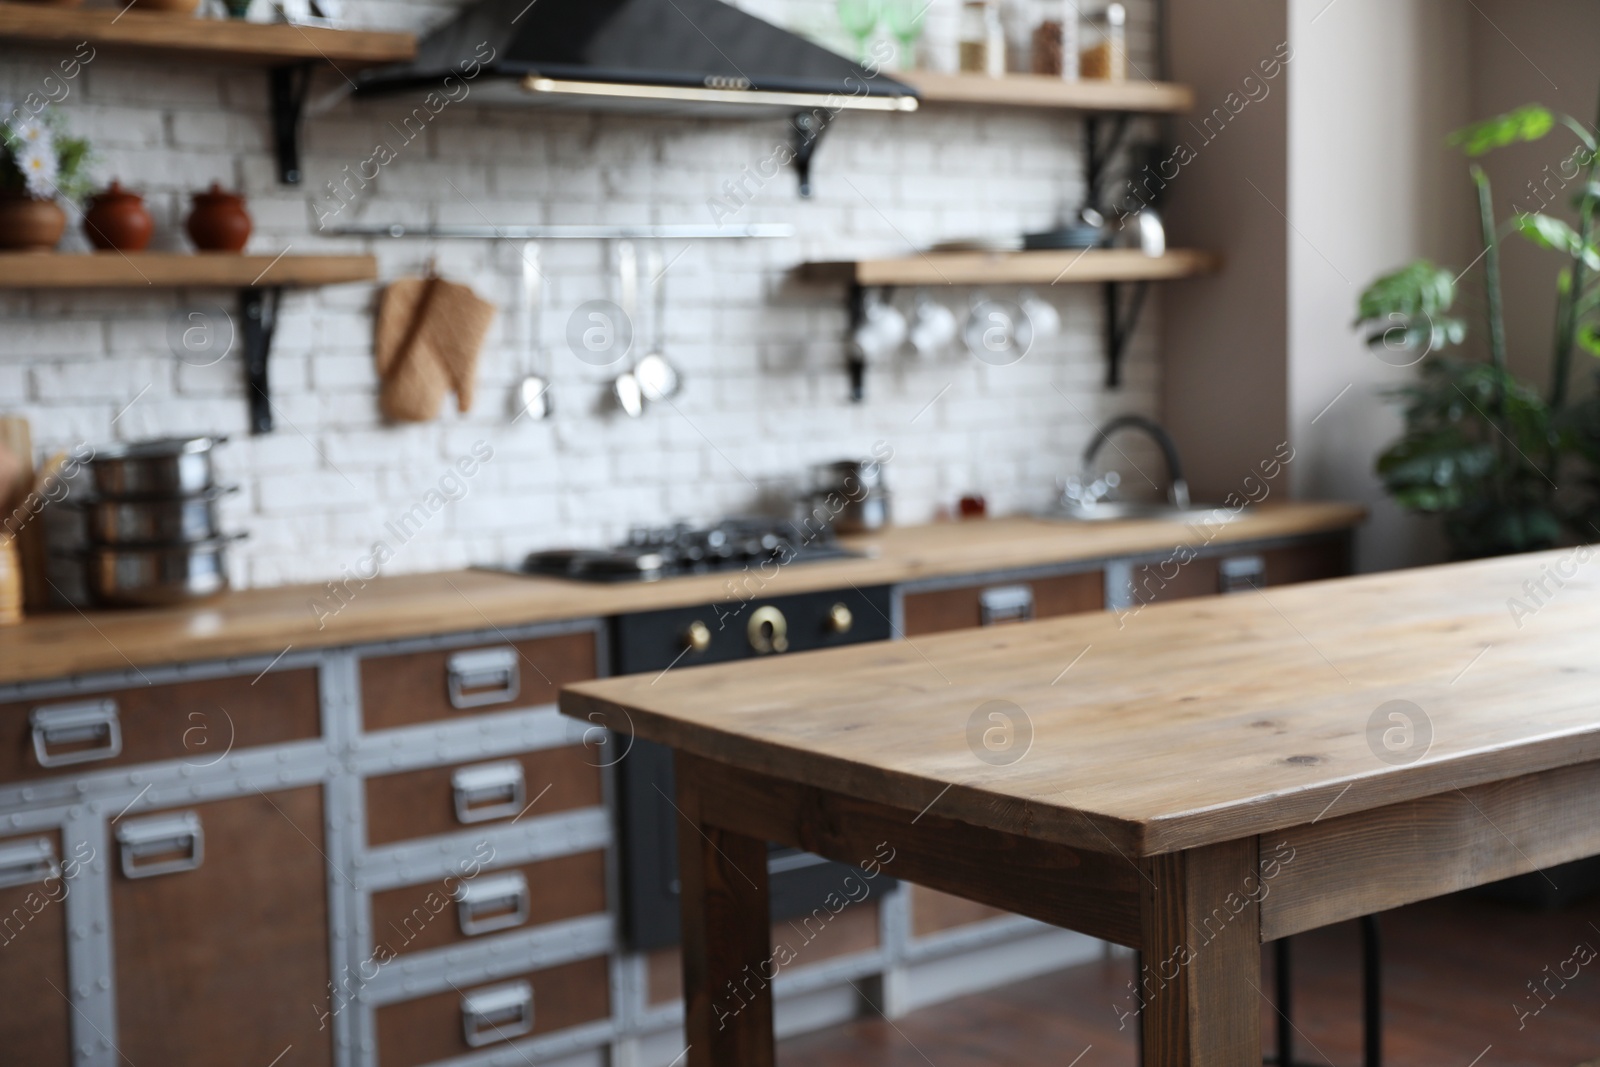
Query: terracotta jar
(29, 225)
(219, 222)
(117, 219)
(182, 7)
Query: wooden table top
(264, 622)
(1186, 724)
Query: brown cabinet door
(1179, 577)
(448, 911)
(437, 1027)
(1000, 602)
(442, 800)
(198, 722)
(422, 687)
(35, 1015)
(221, 936)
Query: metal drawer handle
(178, 837)
(497, 1013)
(489, 791)
(94, 721)
(28, 862)
(483, 676)
(1005, 603)
(1242, 574)
(493, 902)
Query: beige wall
(1375, 88)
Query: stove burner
(654, 552)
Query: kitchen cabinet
(219, 913)
(34, 1020)
(989, 604)
(1240, 569)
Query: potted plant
(1507, 467)
(39, 164)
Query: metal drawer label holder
(76, 724)
(488, 791)
(497, 1013)
(493, 902)
(178, 835)
(1005, 603)
(28, 862)
(483, 676)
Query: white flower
(38, 165)
(32, 132)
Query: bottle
(983, 38)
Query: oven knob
(698, 636)
(768, 631)
(840, 619)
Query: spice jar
(1055, 43)
(983, 38)
(1106, 34)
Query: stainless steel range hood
(690, 56)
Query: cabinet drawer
(992, 603)
(198, 722)
(437, 914)
(1242, 571)
(436, 1027)
(220, 931)
(441, 800)
(421, 687)
(34, 1019)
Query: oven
(682, 639)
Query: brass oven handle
(768, 631)
(841, 619)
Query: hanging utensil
(629, 397)
(532, 396)
(658, 379)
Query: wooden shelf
(1017, 268)
(232, 40)
(1035, 90)
(113, 270)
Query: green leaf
(1581, 130)
(1552, 233)
(1528, 123)
(1589, 338)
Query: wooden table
(1191, 781)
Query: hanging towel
(429, 334)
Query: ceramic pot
(117, 219)
(177, 7)
(219, 222)
(28, 225)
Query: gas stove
(656, 552)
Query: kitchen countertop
(1202, 721)
(265, 622)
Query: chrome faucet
(1177, 488)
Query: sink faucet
(1177, 488)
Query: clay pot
(28, 225)
(219, 222)
(117, 219)
(179, 7)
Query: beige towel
(429, 334)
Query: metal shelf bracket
(808, 127)
(258, 308)
(1120, 325)
(289, 85)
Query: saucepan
(153, 575)
(167, 466)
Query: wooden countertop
(266, 621)
(1191, 723)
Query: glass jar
(1055, 41)
(983, 38)
(1105, 36)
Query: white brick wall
(765, 394)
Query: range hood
(692, 56)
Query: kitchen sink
(1128, 510)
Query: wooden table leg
(727, 954)
(1202, 957)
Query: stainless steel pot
(153, 575)
(155, 519)
(166, 466)
(851, 495)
